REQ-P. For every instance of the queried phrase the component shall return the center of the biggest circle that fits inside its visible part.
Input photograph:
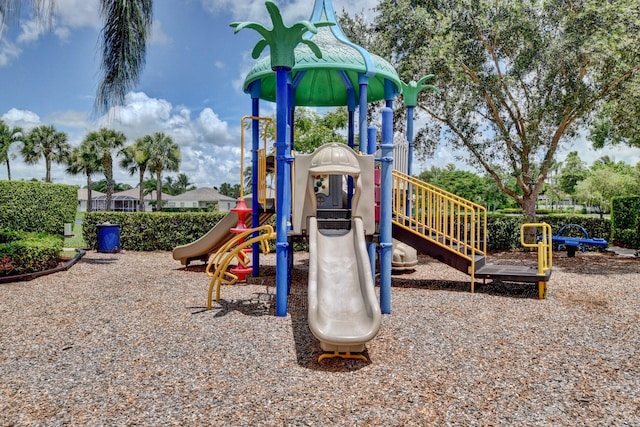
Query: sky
(191, 86)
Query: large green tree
(126, 27)
(617, 122)
(471, 186)
(135, 158)
(311, 129)
(8, 136)
(164, 154)
(605, 180)
(517, 80)
(84, 159)
(574, 170)
(107, 142)
(46, 142)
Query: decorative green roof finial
(410, 91)
(282, 40)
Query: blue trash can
(108, 238)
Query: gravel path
(124, 339)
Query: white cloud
(70, 119)
(68, 15)
(158, 36)
(78, 13)
(292, 11)
(31, 31)
(21, 118)
(8, 52)
(210, 152)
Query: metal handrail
(262, 162)
(543, 244)
(444, 218)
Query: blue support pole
(389, 93)
(255, 203)
(371, 149)
(283, 189)
(386, 199)
(363, 81)
(351, 108)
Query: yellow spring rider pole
(218, 265)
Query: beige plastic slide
(209, 243)
(344, 312)
(215, 238)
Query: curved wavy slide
(343, 311)
(213, 240)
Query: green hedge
(625, 219)
(37, 206)
(151, 231)
(22, 252)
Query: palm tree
(8, 136)
(127, 24)
(176, 186)
(85, 159)
(45, 141)
(106, 141)
(183, 184)
(164, 154)
(136, 159)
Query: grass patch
(76, 241)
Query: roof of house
(82, 194)
(135, 193)
(204, 194)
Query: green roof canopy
(327, 81)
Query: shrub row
(146, 231)
(37, 206)
(22, 252)
(625, 220)
(164, 231)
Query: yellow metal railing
(545, 250)
(262, 157)
(262, 176)
(443, 218)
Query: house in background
(83, 197)
(201, 198)
(128, 200)
(123, 201)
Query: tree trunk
(158, 191)
(107, 166)
(89, 201)
(8, 169)
(47, 177)
(528, 205)
(141, 186)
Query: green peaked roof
(325, 81)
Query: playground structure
(349, 201)
(572, 243)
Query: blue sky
(191, 87)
